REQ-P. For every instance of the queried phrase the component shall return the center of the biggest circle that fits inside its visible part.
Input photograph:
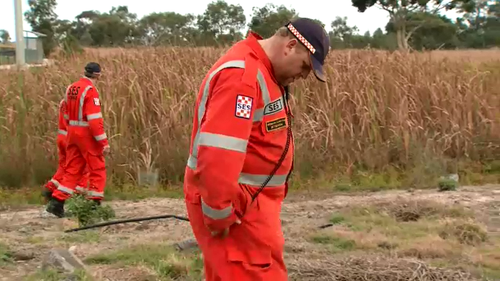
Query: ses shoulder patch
(243, 107)
(97, 102)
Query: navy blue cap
(313, 36)
(92, 68)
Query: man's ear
(291, 43)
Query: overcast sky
(370, 20)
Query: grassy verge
(444, 236)
(426, 176)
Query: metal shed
(34, 47)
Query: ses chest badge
(97, 102)
(243, 107)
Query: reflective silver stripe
(66, 95)
(263, 88)
(214, 213)
(82, 99)
(78, 123)
(95, 194)
(65, 189)
(222, 141)
(258, 180)
(203, 102)
(55, 182)
(80, 188)
(258, 113)
(66, 116)
(62, 132)
(100, 137)
(94, 116)
(192, 162)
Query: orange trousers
(252, 251)
(82, 155)
(56, 179)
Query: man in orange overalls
(87, 143)
(53, 183)
(242, 145)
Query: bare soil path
(27, 237)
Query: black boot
(56, 207)
(46, 194)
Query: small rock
(72, 249)
(186, 245)
(23, 255)
(62, 260)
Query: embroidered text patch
(276, 124)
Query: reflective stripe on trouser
(79, 161)
(254, 243)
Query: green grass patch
(87, 212)
(5, 255)
(163, 259)
(87, 236)
(29, 196)
(54, 275)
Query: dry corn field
(379, 112)
(382, 121)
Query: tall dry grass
(378, 110)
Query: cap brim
(318, 69)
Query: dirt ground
(29, 237)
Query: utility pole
(20, 45)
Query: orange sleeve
(222, 142)
(92, 110)
(63, 117)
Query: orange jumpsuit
(54, 182)
(241, 129)
(86, 140)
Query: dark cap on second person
(313, 36)
(92, 68)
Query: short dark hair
(284, 32)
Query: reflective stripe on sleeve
(94, 116)
(100, 137)
(62, 132)
(55, 182)
(222, 141)
(215, 214)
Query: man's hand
(106, 150)
(225, 231)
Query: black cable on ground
(125, 221)
(147, 219)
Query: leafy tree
(167, 28)
(221, 23)
(42, 18)
(399, 11)
(266, 20)
(4, 36)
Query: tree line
(413, 24)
